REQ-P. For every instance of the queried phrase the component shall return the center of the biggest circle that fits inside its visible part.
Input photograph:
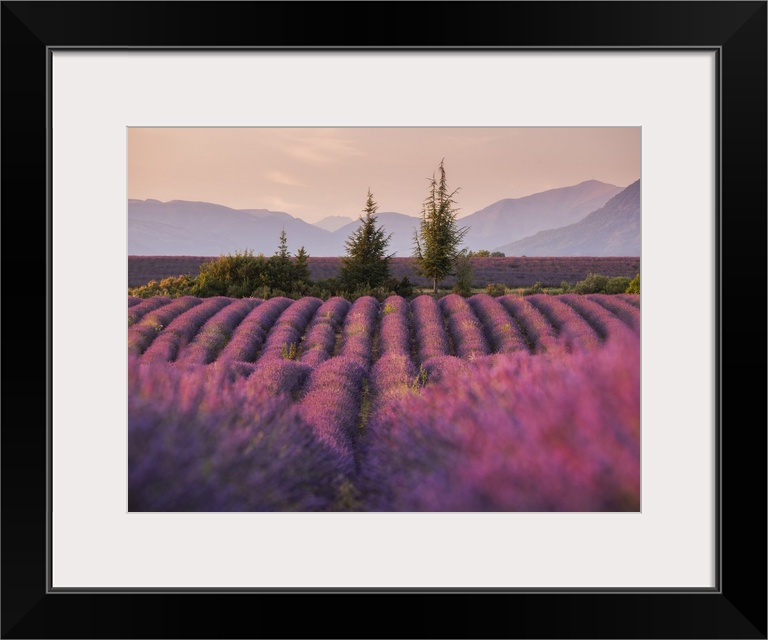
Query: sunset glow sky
(316, 172)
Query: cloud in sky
(315, 172)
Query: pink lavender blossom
(572, 329)
(182, 329)
(503, 332)
(622, 309)
(393, 375)
(250, 334)
(217, 331)
(464, 327)
(137, 311)
(279, 376)
(522, 433)
(144, 331)
(539, 332)
(320, 340)
(132, 301)
(331, 405)
(394, 327)
(359, 327)
(632, 298)
(429, 328)
(199, 442)
(290, 326)
(599, 317)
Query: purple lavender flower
(395, 332)
(599, 317)
(200, 442)
(429, 328)
(137, 311)
(320, 340)
(464, 327)
(572, 329)
(332, 404)
(518, 433)
(144, 331)
(359, 327)
(250, 334)
(501, 330)
(622, 309)
(182, 329)
(536, 328)
(216, 332)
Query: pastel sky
(316, 172)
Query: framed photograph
(690, 77)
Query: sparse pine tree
(366, 264)
(436, 244)
(301, 271)
(281, 267)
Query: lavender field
(457, 404)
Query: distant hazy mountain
(333, 223)
(516, 218)
(180, 227)
(613, 230)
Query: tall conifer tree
(436, 243)
(366, 263)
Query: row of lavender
(201, 331)
(325, 417)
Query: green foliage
(536, 288)
(618, 284)
(498, 254)
(634, 285)
(280, 269)
(420, 381)
(289, 351)
(234, 275)
(172, 287)
(565, 286)
(464, 274)
(301, 272)
(436, 243)
(496, 289)
(595, 283)
(480, 253)
(366, 263)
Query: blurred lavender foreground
(515, 404)
(516, 433)
(203, 440)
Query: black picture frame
(735, 608)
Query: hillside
(612, 230)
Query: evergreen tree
(366, 263)
(436, 244)
(301, 272)
(281, 267)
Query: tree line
(364, 268)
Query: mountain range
(182, 227)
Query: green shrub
(289, 351)
(593, 283)
(496, 289)
(464, 274)
(618, 284)
(498, 254)
(634, 286)
(565, 286)
(536, 288)
(173, 287)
